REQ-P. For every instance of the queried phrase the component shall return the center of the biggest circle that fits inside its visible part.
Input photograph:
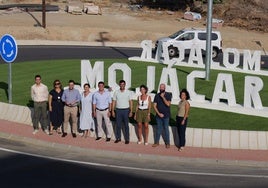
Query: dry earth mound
(121, 23)
(246, 14)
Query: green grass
(23, 77)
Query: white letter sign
(191, 85)
(92, 75)
(227, 81)
(253, 85)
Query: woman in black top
(56, 107)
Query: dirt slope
(119, 24)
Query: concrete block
(216, 138)
(174, 139)
(74, 8)
(132, 133)
(189, 136)
(207, 138)
(92, 9)
(3, 109)
(225, 139)
(11, 112)
(235, 139)
(253, 140)
(198, 137)
(244, 140)
(153, 132)
(262, 140)
(150, 136)
(20, 114)
(28, 116)
(172, 133)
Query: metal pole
(44, 13)
(9, 83)
(208, 41)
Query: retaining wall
(195, 137)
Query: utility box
(91, 8)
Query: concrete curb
(130, 156)
(205, 138)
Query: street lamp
(208, 41)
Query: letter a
(227, 81)
(253, 85)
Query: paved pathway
(15, 130)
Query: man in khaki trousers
(71, 97)
(102, 106)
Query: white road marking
(135, 168)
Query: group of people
(96, 108)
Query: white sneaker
(47, 132)
(138, 142)
(146, 143)
(35, 131)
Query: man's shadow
(103, 38)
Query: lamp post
(208, 41)
(44, 13)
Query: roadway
(54, 52)
(23, 164)
(32, 53)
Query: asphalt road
(31, 53)
(25, 165)
(47, 52)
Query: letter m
(249, 61)
(92, 75)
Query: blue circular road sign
(8, 48)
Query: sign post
(8, 52)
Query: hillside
(246, 14)
(121, 23)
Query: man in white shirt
(122, 110)
(39, 94)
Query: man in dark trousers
(162, 102)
